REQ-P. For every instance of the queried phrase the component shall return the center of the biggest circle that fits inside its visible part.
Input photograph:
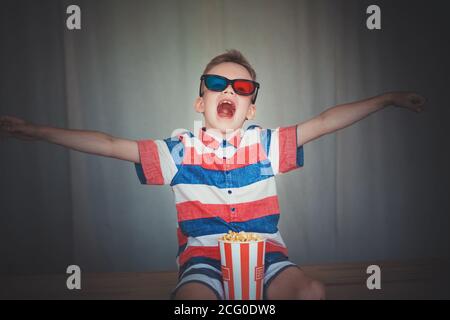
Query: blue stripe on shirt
(176, 149)
(236, 178)
(181, 248)
(216, 225)
(140, 173)
(266, 136)
(300, 157)
(273, 257)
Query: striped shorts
(209, 274)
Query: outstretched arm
(92, 142)
(341, 116)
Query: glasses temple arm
(256, 95)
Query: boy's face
(226, 110)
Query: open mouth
(226, 109)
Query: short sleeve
(281, 148)
(160, 160)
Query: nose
(228, 89)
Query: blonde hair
(234, 56)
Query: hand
(408, 100)
(16, 128)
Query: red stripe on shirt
(189, 210)
(287, 148)
(274, 247)
(182, 239)
(148, 152)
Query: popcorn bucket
(242, 269)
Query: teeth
(227, 101)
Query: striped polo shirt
(222, 184)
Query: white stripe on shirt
(213, 195)
(167, 164)
(274, 152)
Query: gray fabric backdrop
(376, 190)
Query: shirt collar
(213, 139)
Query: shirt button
(229, 191)
(233, 209)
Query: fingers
(5, 126)
(10, 119)
(417, 99)
(416, 102)
(4, 121)
(5, 118)
(10, 127)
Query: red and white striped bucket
(243, 269)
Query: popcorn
(240, 237)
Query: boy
(221, 175)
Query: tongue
(225, 110)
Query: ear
(251, 112)
(199, 105)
